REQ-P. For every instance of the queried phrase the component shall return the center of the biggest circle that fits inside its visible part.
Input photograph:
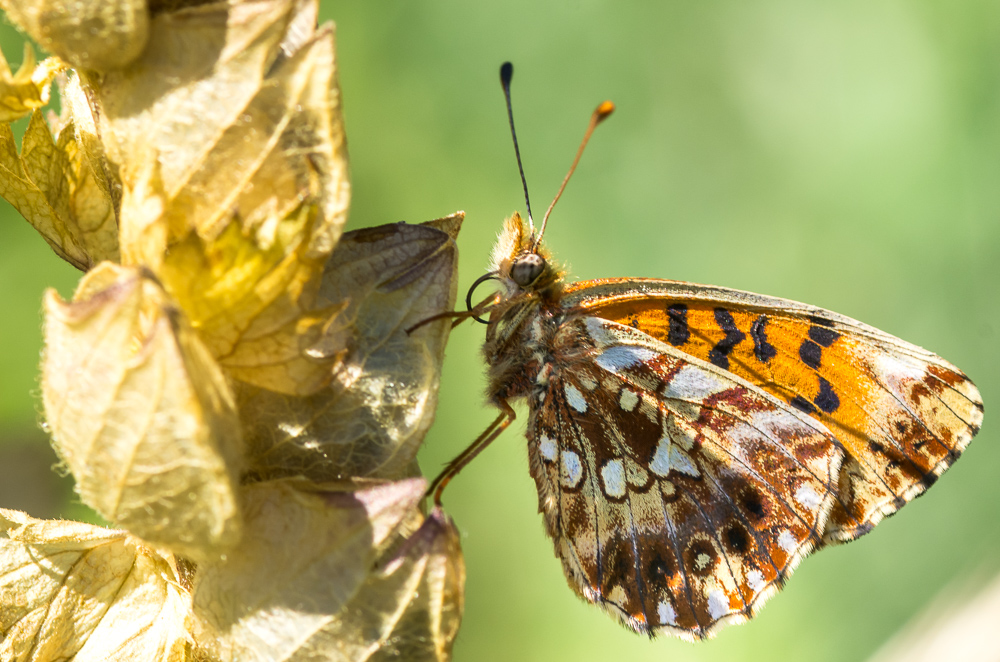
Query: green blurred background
(843, 154)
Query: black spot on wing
(810, 353)
(823, 335)
(928, 479)
(762, 349)
(719, 355)
(753, 502)
(679, 332)
(802, 405)
(736, 539)
(659, 569)
(821, 321)
(827, 400)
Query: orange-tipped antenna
(600, 114)
(506, 73)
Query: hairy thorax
(516, 349)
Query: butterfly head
(520, 263)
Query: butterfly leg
(494, 430)
(459, 316)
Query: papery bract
(373, 417)
(70, 590)
(141, 414)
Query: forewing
(903, 414)
(679, 496)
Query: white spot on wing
(575, 398)
(898, 367)
(787, 541)
(617, 358)
(661, 458)
(666, 612)
(691, 383)
(897, 373)
(613, 475)
(547, 447)
(669, 457)
(701, 561)
(599, 333)
(682, 462)
(755, 580)
(628, 400)
(718, 603)
(808, 497)
(572, 470)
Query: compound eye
(527, 268)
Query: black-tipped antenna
(506, 73)
(600, 114)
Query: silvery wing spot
(678, 495)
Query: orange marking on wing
(784, 375)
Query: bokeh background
(843, 154)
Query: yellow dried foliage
(371, 419)
(93, 35)
(53, 185)
(26, 90)
(315, 595)
(87, 594)
(141, 414)
(410, 607)
(239, 112)
(237, 216)
(208, 156)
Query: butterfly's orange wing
(903, 414)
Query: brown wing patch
(903, 414)
(679, 497)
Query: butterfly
(691, 444)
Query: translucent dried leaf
(410, 607)
(254, 307)
(305, 555)
(229, 138)
(94, 35)
(141, 413)
(239, 106)
(70, 590)
(371, 419)
(200, 69)
(51, 183)
(286, 146)
(80, 110)
(26, 90)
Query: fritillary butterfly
(691, 444)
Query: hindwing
(903, 414)
(679, 495)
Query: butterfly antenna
(506, 73)
(600, 114)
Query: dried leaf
(200, 69)
(81, 110)
(53, 186)
(372, 418)
(94, 35)
(26, 90)
(239, 105)
(410, 607)
(229, 138)
(286, 146)
(305, 555)
(141, 413)
(70, 590)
